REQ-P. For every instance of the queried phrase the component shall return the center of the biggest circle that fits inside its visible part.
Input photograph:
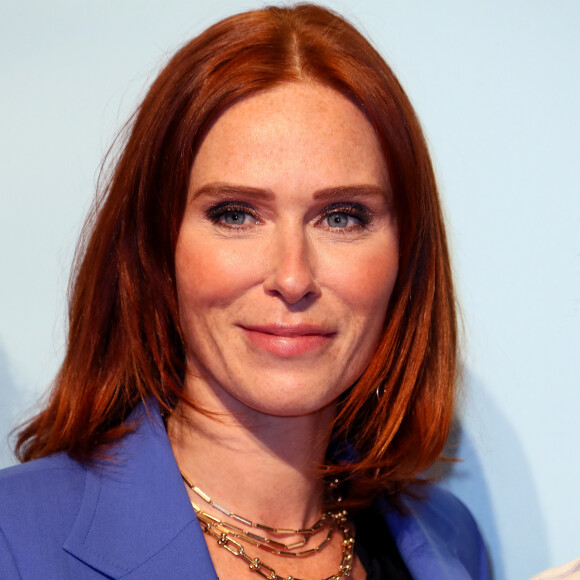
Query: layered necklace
(233, 536)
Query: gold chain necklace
(225, 533)
(243, 520)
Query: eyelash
(218, 211)
(352, 209)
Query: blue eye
(338, 220)
(232, 214)
(234, 218)
(346, 216)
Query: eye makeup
(218, 212)
(234, 215)
(351, 209)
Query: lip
(288, 340)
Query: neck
(260, 467)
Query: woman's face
(287, 253)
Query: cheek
(210, 274)
(366, 279)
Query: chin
(289, 397)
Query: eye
(234, 218)
(340, 220)
(232, 214)
(346, 216)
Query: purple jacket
(132, 519)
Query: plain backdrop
(496, 85)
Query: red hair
(124, 340)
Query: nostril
(292, 275)
(293, 286)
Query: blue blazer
(131, 519)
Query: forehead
(295, 131)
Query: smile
(288, 340)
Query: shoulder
(38, 496)
(55, 478)
(443, 513)
(437, 536)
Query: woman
(262, 318)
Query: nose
(291, 273)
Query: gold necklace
(225, 533)
(276, 547)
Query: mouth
(288, 340)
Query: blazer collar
(135, 518)
(435, 537)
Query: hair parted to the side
(124, 341)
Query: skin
(285, 263)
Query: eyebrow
(350, 191)
(225, 189)
(329, 193)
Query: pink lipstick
(288, 340)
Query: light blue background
(496, 85)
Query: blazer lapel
(437, 537)
(135, 519)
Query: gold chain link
(256, 565)
(227, 534)
(266, 544)
(303, 531)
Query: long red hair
(124, 340)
